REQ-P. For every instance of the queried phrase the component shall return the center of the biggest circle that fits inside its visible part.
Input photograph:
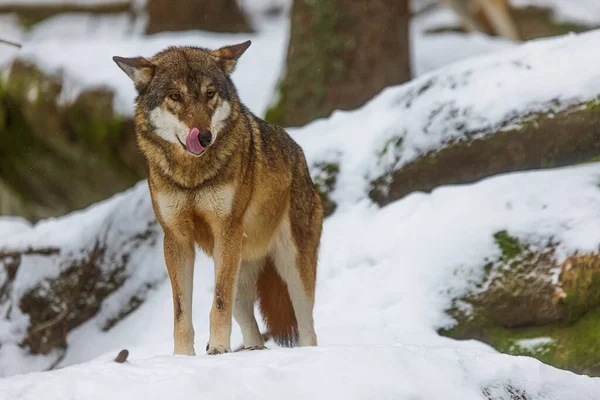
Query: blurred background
(65, 144)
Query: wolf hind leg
(298, 271)
(243, 306)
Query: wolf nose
(205, 137)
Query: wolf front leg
(227, 263)
(179, 257)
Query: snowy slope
(385, 278)
(418, 253)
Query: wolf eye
(210, 93)
(175, 97)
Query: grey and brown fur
(248, 200)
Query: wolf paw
(217, 350)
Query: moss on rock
(58, 157)
(571, 346)
(325, 182)
(509, 245)
(543, 140)
(520, 308)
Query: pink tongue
(193, 143)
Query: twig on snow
(8, 42)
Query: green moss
(51, 152)
(510, 246)
(562, 28)
(275, 114)
(593, 105)
(394, 142)
(575, 347)
(522, 294)
(325, 182)
(98, 133)
(580, 283)
(591, 160)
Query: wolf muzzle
(196, 141)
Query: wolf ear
(138, 69)
(229, 55)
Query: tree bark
(208, 15)
(341, 54)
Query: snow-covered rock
(416, 125)
(59, 273)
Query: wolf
(234, 185)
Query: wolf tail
(276, 306)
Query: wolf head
(186, 93)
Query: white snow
(354, 372)
(535, 343)
(12, 225)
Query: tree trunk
(341, 54)
(208, 15)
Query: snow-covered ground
(340, 372)
(384, 280)
(385, 275)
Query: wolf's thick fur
(236, 186)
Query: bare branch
(50, 323)
(8, 42)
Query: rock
(325, 179)
(50, 151)
(62, 273)
(544, 140)
(530, 304)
